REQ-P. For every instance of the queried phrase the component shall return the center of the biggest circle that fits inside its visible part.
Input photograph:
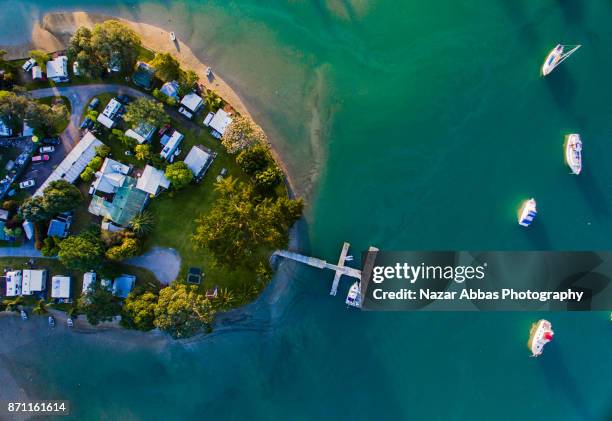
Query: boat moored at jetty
(573, 152)
(557, 56)
(353, 298)
(527, 212)
(541, 333)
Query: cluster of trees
(242, 133)
(59, 196)
(110, 43)
(17, 108)
(241, 222)
(178, 309)
(8, 77)
(167, 68)
(12, 227)
(94, 165)
(258, 162)
(144, 110)
(178, 174)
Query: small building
(219, 123)
(4, 215)
(60, 287)
(74, 163)
(37, 73)
(115, 195)
(57, 69)
(13, 283)
(208, 119)
(142, 133)
(5, 131)
(28, 229)
(89, 281)
(33, 281)
(110, 227)
(75, 69)
(170, 89)
(171, 143)
(108, 115)
(58, 228)
(123, 285)
(110, 177)
(143, 76)
(27, 130)
(190, 104)
(199, 159)
(152, 181)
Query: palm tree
(41, 308)
(225, 298)
(142, 223)
(213, 101)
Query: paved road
(79, 97)
(27, 249)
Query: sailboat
(573, 152)
(557, 56)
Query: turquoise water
(406, 126)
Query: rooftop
(57, 228)
(151, 180)
(142, 133)
(220, 121)
(34, 280)
(58, 68)
(125, 204)
(143, 76)
(60, 287)
(198, 159)
(123, 285)
(170, 89)
(192, 102)
(74, 163)
(111, 176)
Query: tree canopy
(255, 159)
(99, 304)
(242, 133)
(188, 81)
(13, 110)
(139, 311)
(166, 66)
(33, 209)
(182, 311)
(240, 223)
(146, 110)
(82, 252)
(44, 119)
(41, 59)
(61, 196)
(179, 174)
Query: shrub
(96, 163)
(50, 246)
(88, 174)
(103, 151)
(10, 205)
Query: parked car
(124, 99)
(40, 158)
(51, 141)
(27, 66)
(47, 149)
(94, 104)
(87, 123)
(26, 184)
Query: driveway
(165, 263)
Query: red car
(39, 158)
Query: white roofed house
(152, 181)
(108, 115)
(110, 176)
(199, 159)
(37, 73)
(34, 281)
(142, 133)
(57, 69)
(191, 104)
(13, 283)
(170, 142)
(219, 123)
(74, 163)
(60, 288)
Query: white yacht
(527, 213)
(353, 298)
(573, 152)
(541, 333)
(556, 56)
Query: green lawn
(54, 267)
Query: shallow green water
(407, 126)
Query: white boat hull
(541, 333)
(573, 153)
(527, 213)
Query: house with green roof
(115, 195)
(143, 76)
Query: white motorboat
(573, 152)
(541, 333)
(527, 212)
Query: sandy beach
(55, 30)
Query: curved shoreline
(53, 33)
